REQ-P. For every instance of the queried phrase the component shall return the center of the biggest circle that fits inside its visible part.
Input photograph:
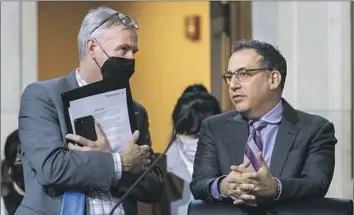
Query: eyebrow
(237, 69)
(135, 49)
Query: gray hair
(93, 19)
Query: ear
(90, 47)
(274, 79)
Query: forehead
(121, 35)
(246, 58)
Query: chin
(241, 107)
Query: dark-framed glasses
(124, 19)
(242, 74)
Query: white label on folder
(110, 109)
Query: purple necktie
(254, 144)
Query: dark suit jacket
(51, 169)
(12, 200)
(303, 155)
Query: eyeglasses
(125, 20)
(242, 74)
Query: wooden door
(235, 19)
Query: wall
(315, 39)
(18, 59)
(167, 62)
(57, 36)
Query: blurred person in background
(266, 150)
(12, 182)
(195, 88)
(189, 112)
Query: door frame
(230, 21)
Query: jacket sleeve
(206, 165)
(318, 169)
(44, 149)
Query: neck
(264, 109)
(87, 73)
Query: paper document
(110, 109)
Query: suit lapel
(285, 139)
(237, 134)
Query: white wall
(315, 39)
(18, 59)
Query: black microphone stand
(153, 164)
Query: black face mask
(118, 68)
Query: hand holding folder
(112, 106)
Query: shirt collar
(275, 115)
(81, 82)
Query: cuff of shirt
(214, 189)
(117, 167)
(279, 188)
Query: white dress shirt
(101, 203)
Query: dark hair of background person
(191, 109)
(11, 172)
(195, 88)
(12, 144)
(271, 56)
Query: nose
(234, 83)
(129, 55)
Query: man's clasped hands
(248, 187)
(241, 184)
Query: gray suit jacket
(303, 155)
(50, 168)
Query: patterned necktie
(254, 144)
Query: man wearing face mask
(107, 43)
